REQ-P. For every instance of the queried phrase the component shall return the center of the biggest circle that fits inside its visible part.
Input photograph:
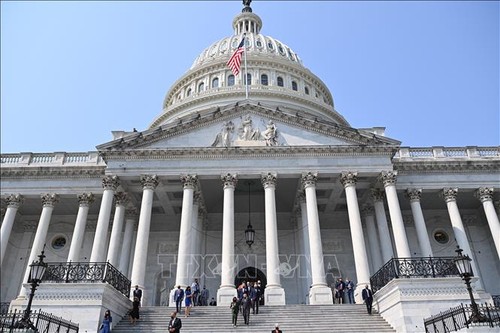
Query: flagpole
(246, 72)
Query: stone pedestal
(274, 296)
(405, 303)
(225, 296)
(320, 295)
(81, 303)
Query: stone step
(292, 318)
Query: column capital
(49, 199)
(309, 179)
(367, 210)
(131, 213)
(85, 199)
(229, 180)
(149, 182)
(377, 194)
(269, 179)
(189, 181)
(413, 194)
(388, 178)
(484, 194)
(121, 198)
(110, 182)
(14, 200)
(348, 178)
(449, 194)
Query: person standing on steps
(189, 301)
(195, 290)
(204, 295)
(339, 287)
(246, 304)
(235, 309)
(138, 293)
(276, 329)
(105, 325)
(178, 297)
(175, 324)
(349, 286)
(134, 314)
(368, 299)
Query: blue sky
(72, 72)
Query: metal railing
(461, 317)
(84, 272)
(44, 322)
(398, 268)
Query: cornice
(449, 166)
(52, 172)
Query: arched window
(306, 90)
(230, 80)
(188, 93)
(215, 83)
(201, 86)
(280, 81)
(294, 86)
(263, 80)
(249, 79)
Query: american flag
(234, 63)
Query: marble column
(84, 201)
(319, 293)
(414, 196)
(348, 180)
(274, 294)
(227, 289)
(485, 195)
(149, 184)
(305, 258)
(130, 220)
(13, 202)
(372, 234)
(389, 180)
(195, 239)
(48, 202)
(383, 227)
(98, 254)
(450, 197)
(115, 241)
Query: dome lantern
(247, 22)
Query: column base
(225, 296)
(274, 296)
(320, 295)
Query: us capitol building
(276, 187)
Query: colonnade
(120, 243)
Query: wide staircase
(291, 318)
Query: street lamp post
(464, 266)
(37, 270)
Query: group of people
(344, 289)
(248, 298)
(192, 296)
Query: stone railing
(398, 268)
(405, 153)
(87, 272)
(51, 159)
(463, 316)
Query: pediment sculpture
(247, 134)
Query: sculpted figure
(224, 138)
(271, 134)
(246, 131)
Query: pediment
(246, 125)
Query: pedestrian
(204, 295)
(252, 293)
(138, 293)
(175, 324)
(339, 288)
(195, 290)
(106, 324)
(178, 298)
(367, 298)
(258, 291)
(277, 329)
(134, 313)
(108, 312)
(213, 302)
(246, 304)
(349, 286)
(188, 294)
(235, 309)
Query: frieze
(447, 166)
(51, 172)
(83, 296)
(435, 291)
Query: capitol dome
(276, 76)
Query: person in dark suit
(175, 324)
(246, 305)
(276, 329)
(138, 293)
(367, 298)
(178, 298)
